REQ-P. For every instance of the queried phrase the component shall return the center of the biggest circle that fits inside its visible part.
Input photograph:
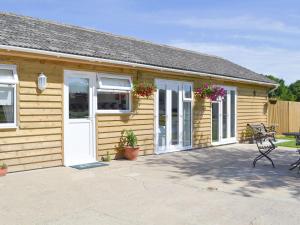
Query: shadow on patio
(232, 165)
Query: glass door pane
(224, 116)
(174, 117)
(232, 114)
(215, 121)
(78, 98)
(162, 117)
(187, 124)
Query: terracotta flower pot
(3, 172)
(131, 153)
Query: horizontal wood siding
(37, 142)
(201, 120)
(140, 120)
(252, 107)
(202, 124)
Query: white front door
(173, 116)
(79, 117)
(224, 118)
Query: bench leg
(264, 154)
(295, 165)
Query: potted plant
(272, 97)
(273, 100)
(209, 91)
(143, 89)
(3, 169)
(131, 150)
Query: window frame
(113, 89)
(229, 139)
(112, 76)
(185, 99)
(188, 100)
(13, 84)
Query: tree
(295, 89)
(282, 92)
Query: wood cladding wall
(38, 140)
(252, 107)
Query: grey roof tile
(27, 32)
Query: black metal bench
(297, 136)
(270, 130)
(264, 141)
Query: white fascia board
(134, 65)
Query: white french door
(173, 116)
(79, 117)
(224, 127)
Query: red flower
(143, 89)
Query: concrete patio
(206, 186)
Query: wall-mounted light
(42, 82)
(254, 93)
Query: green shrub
(106, 158)
(131, 139)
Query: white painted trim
(77, 72)
(183, 92)
(120, 77)
(13, 84)
(191, 100)
(168, 84)
(135, 65)
(115, 90)
(227, 140)
(13, 68)
(114, 111)
(224, 143)
(92, 115)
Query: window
(113, 93)
(232, 113)
(187, 114)
(187, 92)
(78, 98)
(224, 117)
(8, 81)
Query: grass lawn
(289, 144)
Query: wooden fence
(286, 115)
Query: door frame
(92, 105)
(169, 147)
(229, 140)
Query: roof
(27, 32)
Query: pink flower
(210, 91)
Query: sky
(262, 35)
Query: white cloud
(236, 23)
(276, 39)
(276, 61)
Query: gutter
(274, 89)
(134, 65)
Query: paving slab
(208, 186)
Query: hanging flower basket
(273, 100)
(209, 91)
(143, 89)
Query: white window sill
(224, 142)
(8, 126)
(113, 112)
